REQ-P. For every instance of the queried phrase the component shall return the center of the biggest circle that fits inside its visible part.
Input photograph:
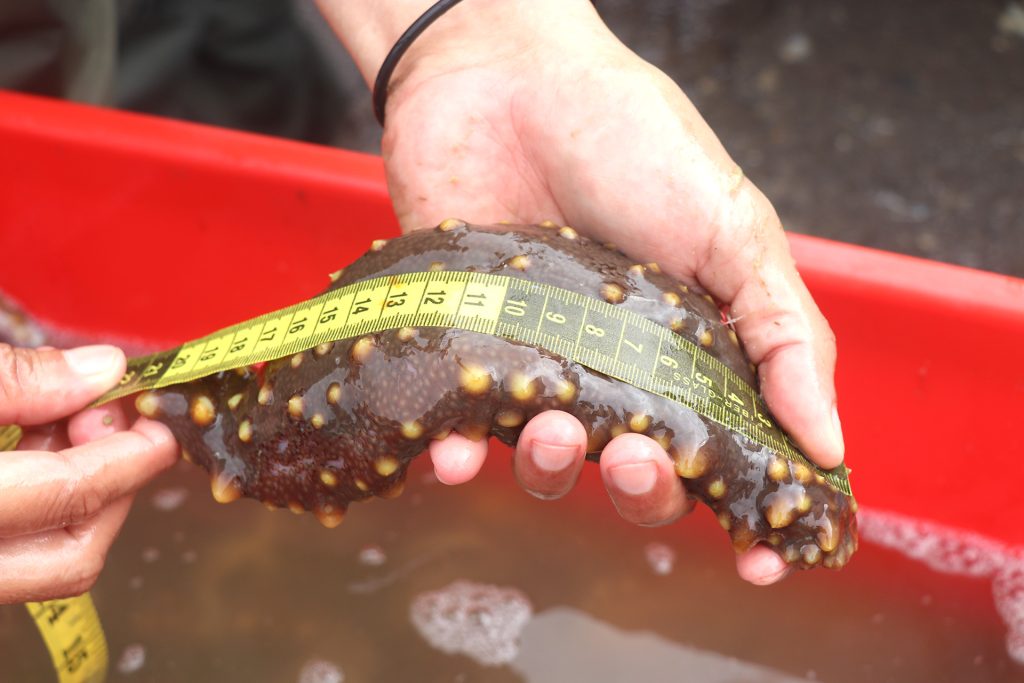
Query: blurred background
(897, 125)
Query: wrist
(368, 28)
(464, 36)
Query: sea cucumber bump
(339, 423)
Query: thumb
(783, 332)
(43, 385)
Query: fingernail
(90, 362)
(636, 478)
(837, 426)
(552, 457)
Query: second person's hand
(65, 494)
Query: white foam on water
(1008, 589)
(942, 548)
(132, 659)
(320, 671)
(169, 499)
(660, 557)
(481, 621)
(378, 582)
(566, 644)
(372, 555)
(962, 553)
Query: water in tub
(482, 582)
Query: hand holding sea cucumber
(558, 120)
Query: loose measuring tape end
(73, 635)
(70, 627)
(9, 437)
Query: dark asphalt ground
(898, 125)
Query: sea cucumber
(340, 422)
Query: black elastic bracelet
(380, 86)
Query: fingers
(642, 482)
(82, 427)
(761, 566)
(62, 511)
(638, 474)
(44, 490)
(43, 385)
(48, 437)
(60, 562)
(97, 423)
(457, 459)
(550, 454)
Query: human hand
(66, 492)
(557, 120)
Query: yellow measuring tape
(9, 437)
(594, 333)
(69, 626)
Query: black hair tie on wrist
(380, 85)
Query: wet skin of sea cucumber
(340, 422)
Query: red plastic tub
(135, 227)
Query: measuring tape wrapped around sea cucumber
(477, 329)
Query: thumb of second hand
(42, 385)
